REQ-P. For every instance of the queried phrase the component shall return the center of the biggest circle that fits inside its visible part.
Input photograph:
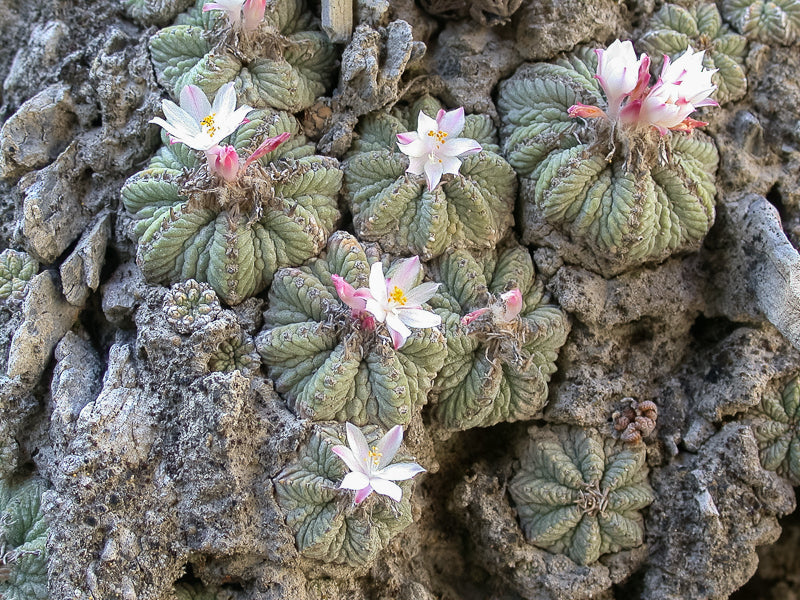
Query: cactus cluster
(636, 420)
(777, 431)
(190, 305)
(239, 352)
(471, 209)
(674, 28)
(497, 369)
(328, 526)
(284, 65)
(23, 541)
(625, 196)
(768, 21)
(16, 270)
(579, 494)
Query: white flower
(197, 123)
(433, 148)
(370, 469)
(392, 300)
(253, 12)
(619, 72)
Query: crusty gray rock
(80, 272)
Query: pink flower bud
(253, 13)
(224, 161)
(267, 146)
(513, 304)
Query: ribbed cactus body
(674, 28)
(768, 21)
(777, 431)
(234, 236)
(624, 196)
(23, 541)
(580, 495)
(472, 209)
(329, 365)
(155, 12)
(16, 270)
(285, 65)
(495, 370)
(327, 525)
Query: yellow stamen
(439, 135)
(375, 456)
(398, 296)
(208, 122)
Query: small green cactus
(580, 495)
(625, 196)
(189, 306)
(155, 12)
(23, 542)
(234, 236)
(777, 431)
(328, 526)
(472, 209)
(497, 369)
(328, 364)
(16, 270)
(768, 21)
(284, 66)
(236, 353)
(674, 28)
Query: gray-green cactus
(328, 526)
(16, 270)
(768, 21)
(190, 306)
(777, 431)
(234, 236)
(580, 495)
(496, 369)
(674, 28)
(624, 195)
(155, 12)
(284, 66)
(329, 365)
(470, 210)
(236, 353)
(23, 541)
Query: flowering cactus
(452, 205)
(580, 495)
(674, 29)
(332, 362)
(280, 63)
(615, 190)
(768, 21)
(234, 235)
(777, 431)
(23, 542)
(327, 525)
(502, 338)
(16, 270)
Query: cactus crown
(777, 431)
(16, 270)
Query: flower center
(439, 135)
(208, 124)
(375, 456)
(398, 296)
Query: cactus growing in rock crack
(192, 225)
(636, 420)
(238, 352)
(674, 28)
(189, 306)
(23, 541)
(328, 526)
(331, 365)
(16, 270)
(282, 64)
(472, 208)
(497, 368)
(777, 431)
(625, 194)
(155, 12)
(768, 21)
(580, 495)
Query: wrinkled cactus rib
(777, 431)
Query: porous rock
(80, 272)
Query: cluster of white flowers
(682, 87)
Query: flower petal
(387, 488)
(450, 164)
(355, 481)
(416, 164)
(459, 146)
(179, 118)
(362, 495)
(406, 274)
(418, 317)
(399, 471)
(225, 100)
(452, 122)
(377, 284)
(396, 326)
(421, 293)
(355, 465)
(416, 147)
(426, 124)
(358, 444)
(194, 102)
(388, 445)
(433, 173)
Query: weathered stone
(80, 272)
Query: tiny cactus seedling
(499, 357)
(328, 525)
(237, 353)
(189, 306)
(674, 28)
(331, 361)
(415, 194)
(636, 420)
(621, 186)
(193, 224)
(580, 495)
(281, 64)
(777, 431)
(23, 542)
(16, 270)
(768, 21)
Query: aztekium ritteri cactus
(274, 58)
(421, 180)
(612, 171)
(190, 305)
(777, 430)
(232, 214)
(333, 359)
(16, 270)
(503, 338)
(768, 21)
(332, 524)
(155, 12)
